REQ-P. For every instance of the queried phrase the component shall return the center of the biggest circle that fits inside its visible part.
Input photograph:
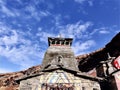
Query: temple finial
(60, 36)
(108, 55)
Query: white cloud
(80, 1)
(57, 19)
(83, 47)
(44, 35)
(117, 31)
(90, 2)
(34, 13)
(23, 56)
(9, 40)
(18, 49)
(7, 10)
(104, 32)
(31, 9)
(76, 30)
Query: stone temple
(62, 70)
(59, 70)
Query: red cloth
(116, 63)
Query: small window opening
(67, 43)
(58, 42)
(95, 89)
(62, 43)
(53, 42)
(83, 88)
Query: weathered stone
(58, 77)
(60, 71)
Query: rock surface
(7, 80)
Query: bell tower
(59, 54)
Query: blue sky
(26, 24)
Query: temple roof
(59, 41)
(76, 73)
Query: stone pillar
(105, 68)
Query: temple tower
(59, 54)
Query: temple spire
(60, 35)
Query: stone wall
(58, 77)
